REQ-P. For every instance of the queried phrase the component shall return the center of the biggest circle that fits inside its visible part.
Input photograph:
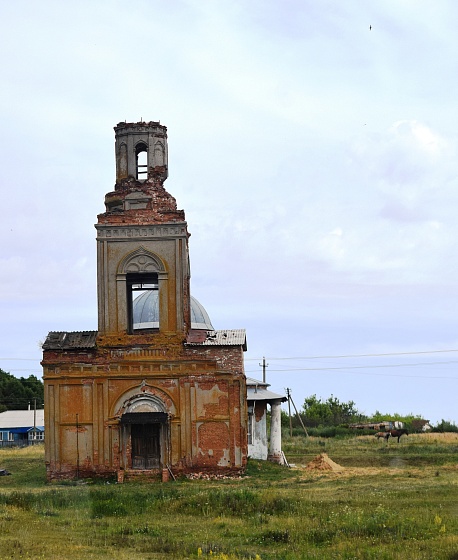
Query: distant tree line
(332, 417)
(18, 393)
(330, 412)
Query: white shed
(260, 444)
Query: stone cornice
(87, 373)
(141, 232)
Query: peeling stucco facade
(125, 400)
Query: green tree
(18, 393)
(445, 426)
(331, 412)
(316, 412)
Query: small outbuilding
(260, 445)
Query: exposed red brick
(196, 392)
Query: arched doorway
(145, 433)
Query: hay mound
(323, 463)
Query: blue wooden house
(21, 427)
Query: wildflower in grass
(442, 529)
(199, 552)
(437, 520)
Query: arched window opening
(142, 301)
(142, 162)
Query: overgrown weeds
(396, 502)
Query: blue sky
(316, 160)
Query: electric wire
(346, 368)
(367, 366)
(359, 355)
(333, 356)
(383, 374)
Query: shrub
(445, 426)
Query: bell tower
(142, 242)
(156, 390)
(140, 147)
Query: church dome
(146, 312)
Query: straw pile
(323, 463)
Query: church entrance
(145, 437)
(146, 446)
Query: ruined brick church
(156, 390)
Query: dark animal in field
(4, 472)
(384, 435)
(398, 433)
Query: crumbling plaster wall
(258, 449)
(85, 396)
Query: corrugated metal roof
(87, 339)
(232, 337)
(262, 394)
(70, 340)
(21, 418)
(252, 381)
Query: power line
(397, 375)
(22, 359)
(30, 369)
(333, 356)
(367, 373)
(369, 366)
(361, 355)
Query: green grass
(390, 502)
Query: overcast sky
(313, 147)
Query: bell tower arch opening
(141, 288)
(142, 291)
(141, 154)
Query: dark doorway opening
(146, 446)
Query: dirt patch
(323, 463)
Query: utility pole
(298, 415)
(289, 413)
(34, 419)
(264, 365)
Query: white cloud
(316, 161)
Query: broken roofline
(64, 340)
(233, 337)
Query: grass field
(390, 501)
